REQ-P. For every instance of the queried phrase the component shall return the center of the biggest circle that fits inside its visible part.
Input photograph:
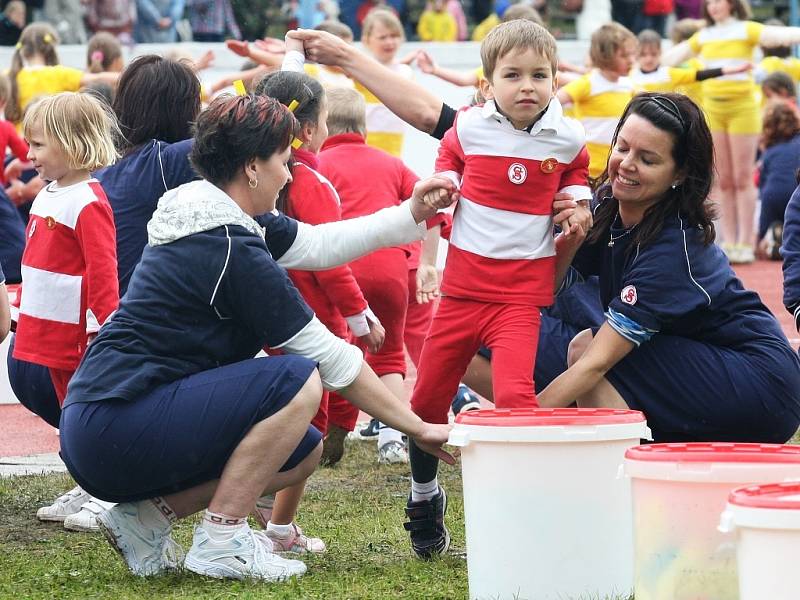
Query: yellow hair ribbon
(48, 39)
(293, 105)
(18, 45)
(296, 143)
(238, 85)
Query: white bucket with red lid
(766, 523)
(547, 512)
(679, 491)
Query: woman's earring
(253, 183)
(674, 186)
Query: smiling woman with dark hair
(683, 341)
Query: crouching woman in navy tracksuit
(790, 251)
(683, 341)
(185, 417)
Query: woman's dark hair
(286, 87)
(157, 98)
(236, 129)
(693, 153)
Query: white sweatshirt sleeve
(328, 245)
(339, 362)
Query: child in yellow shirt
(436, 24)
(600, 96)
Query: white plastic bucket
(547, 511)
(766, 520)
(679, 491)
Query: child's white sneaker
(64, 506)
(247, 554)
(295, 541)
(86, 518)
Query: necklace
(612, 239)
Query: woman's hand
(320, 46)
(427, 283)
(375, 338)
(431, 437)
(569, 215)
(432, 194)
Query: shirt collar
(549, 121)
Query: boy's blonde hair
(347, 111)
(606, 41)
(385, 17)
(80, 125)
(518, 34)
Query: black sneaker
(465, 399)
(371, 430)
(429, 535)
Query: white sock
(222, 528)
(424, 491)
(281, 530)
(386, 434)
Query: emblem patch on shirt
(548, 165)
(628, 295)
(517, 173)
(51, 222)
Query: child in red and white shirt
(69, 266)
(509, 158)
(382, 275)
(334, 294)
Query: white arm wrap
(779, 36)
(320, 247)
(359, 324)
(293, 61)
(339, 362)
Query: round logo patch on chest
(517, 173)
(628, 295)
(50, 222)
(548, 165)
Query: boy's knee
(310, 394)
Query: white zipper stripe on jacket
(221, 275)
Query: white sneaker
(146, 550)
(85, 518)
(393, 453)
(296, 542)
(247, 555)
(65, 505)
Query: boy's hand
(427, 283)
(567, 212)
(374, 339)
(271, 45)
(432, 194)
(425, 62)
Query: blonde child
(600, 96)
(35, 71)
(69, 267)
(510, 159)
(382, 34)
(651, 76)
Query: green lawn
(357, 508)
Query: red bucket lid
(543, 417)
(770, 495)
(715, 452)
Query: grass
(357, 508)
